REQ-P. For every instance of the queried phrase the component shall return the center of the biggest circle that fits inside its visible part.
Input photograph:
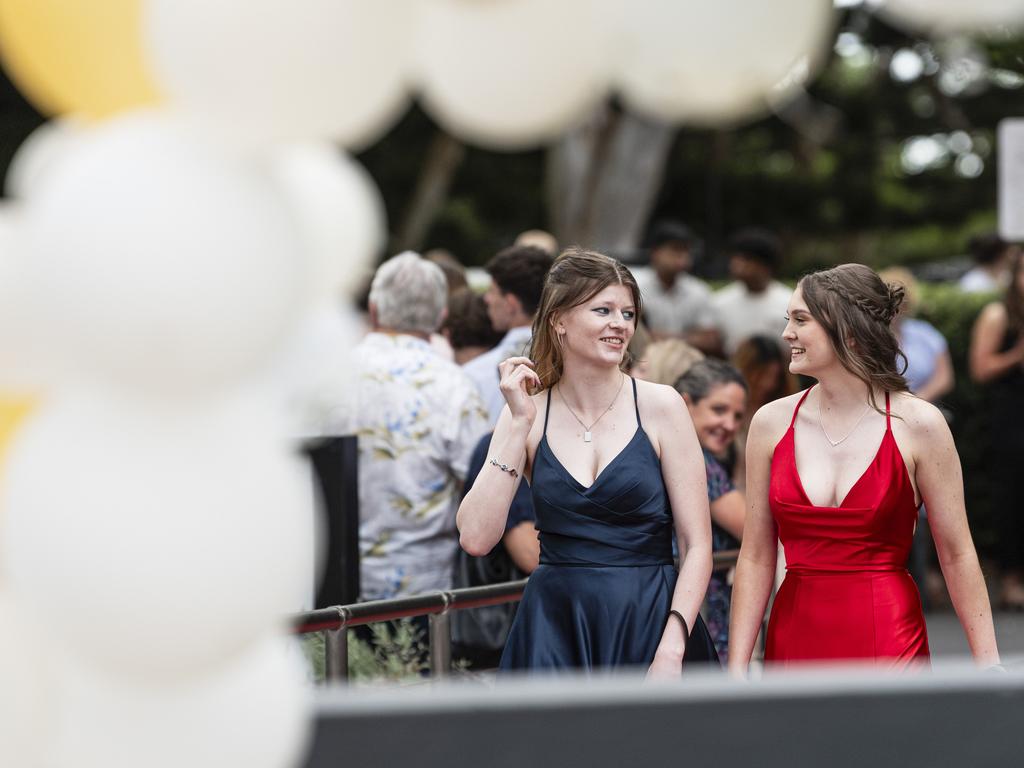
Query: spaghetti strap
(888, 420)
(799, 403)
(547, 411)
(636, 403)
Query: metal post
(336, 655)
(440, 645)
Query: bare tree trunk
(604, 177)
(443, 159)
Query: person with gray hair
(408, 295)
(418, 417)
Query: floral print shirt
(417, 417)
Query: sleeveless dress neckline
(847, 593)
(545, 443)
(558, 462)
(883, 445)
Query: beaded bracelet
(505, 468)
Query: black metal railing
(334, 622)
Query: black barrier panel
(335, 463)
(965, 721)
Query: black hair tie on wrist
(686, 627)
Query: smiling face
(718, 415)
(810, 346)
(599, 329)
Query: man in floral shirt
(417, 417)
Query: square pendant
(587, 437)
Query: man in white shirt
(676, 304)
(517, 279)
(754, 303)
(418, 418)
(990, 273)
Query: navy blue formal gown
(601, 596)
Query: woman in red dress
(837, 473)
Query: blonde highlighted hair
(669, 359)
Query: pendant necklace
(852, 429)
(587, 435)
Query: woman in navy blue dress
(614, 467)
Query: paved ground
(947, 638)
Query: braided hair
(856, 308)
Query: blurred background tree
(888, 158)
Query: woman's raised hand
(517, 377)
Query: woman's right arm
(985, 359)
(755, 568)
(484, 511)
(728, 512)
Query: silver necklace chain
(853, 429)
(587, 435)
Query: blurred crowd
(425, 399)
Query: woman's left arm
(941, 485)
(942, 380)
(728, 512)
(682, 467)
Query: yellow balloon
(81, 56)
(13, 411)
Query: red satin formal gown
(847, 592)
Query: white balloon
(314, 378)
(26, 698)
(340, 211)
(704, 62)
(949, 16)
(25, 368)
(509, 74)
(156, 542)
(253, 711)
(285, 69)
(39, 153)
(154, 260)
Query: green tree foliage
(827, 173)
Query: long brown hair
(575, 278)
(856, 307)
(1014, 300)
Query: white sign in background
(1011, 178)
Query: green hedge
(953, 313)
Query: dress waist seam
(804, 571)
(606, 565)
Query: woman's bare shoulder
(657, 395)
(780, 410)
(918, 417)
(770, 422)
(541, 397)
(993, 316)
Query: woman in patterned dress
(716, 395)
